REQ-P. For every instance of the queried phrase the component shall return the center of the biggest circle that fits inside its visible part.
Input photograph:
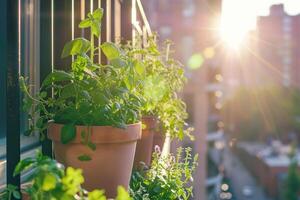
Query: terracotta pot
(158, 139)
(112, 161)
(25, 196)
(143, 150)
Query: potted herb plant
(169, 177)
(49, 180)
(93, 116)
(162, 109)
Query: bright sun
(236, 21)
(232, 34)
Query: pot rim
(99, 134)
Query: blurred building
(279, 46)
(269, 55)
(192, 26)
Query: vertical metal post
(45, 55)
(104, 28)
(12, 89)
(62, 32)
(126, 16)
(3, 46)
(113, 21)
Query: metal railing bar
(144, 17)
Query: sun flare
(232, 35)
(235, 23)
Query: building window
(165, 31)
(189, 8)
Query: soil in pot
(111, 162)
(144, 145)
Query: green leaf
(40, 123)
(76, 47)
(91, 146)
(99, 97)
(98, 14)
(57, 76)
(110, 50)
(84, 157)
(96, 195)
(118, 62)
(96, 28)
(68, 91)
(85, 23)
(68, 133)
(27, 132)
(23, 165)
(139, 67)
(17, 194)
(49, 182)
(122, 194)
(83, 135)
(128, 82)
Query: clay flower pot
(112, 161)
(143, 150)
(25, 196)
(158, 139)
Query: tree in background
(257, 113)
(292, 182)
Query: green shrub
(168, 178)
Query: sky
(247, 10)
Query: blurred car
(247, 191)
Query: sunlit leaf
(49, 182)
(76, 47)
(110, 50)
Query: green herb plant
(163, 77)
(168, 178)
(11, 191)
(91, 93)
(50, 181)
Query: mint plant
(11, 191)
(91, 93)
(163, 78)
(49, 180)
(168, 178)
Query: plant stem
(92, 47)
(168, 51)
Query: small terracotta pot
(158, 139)
(143, 150)
(25, 196)
(112, 161)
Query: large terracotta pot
(112, 161)
(143, 150)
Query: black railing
(123, 20)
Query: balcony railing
(57, 23)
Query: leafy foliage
(257, 113)
(168, 178)
(163, 78)
(292, 182)
(10, 192)
(50, 181)
(91, 93)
